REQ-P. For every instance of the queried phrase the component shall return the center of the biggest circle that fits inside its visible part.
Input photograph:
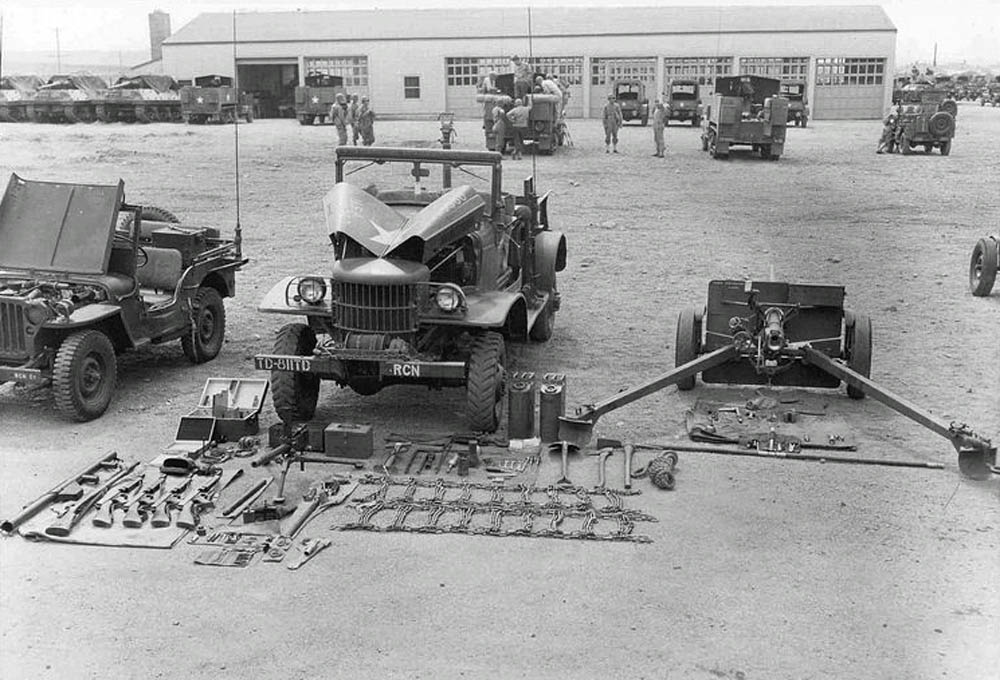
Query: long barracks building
(422, 62)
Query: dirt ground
(760, 569)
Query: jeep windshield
(409, 179)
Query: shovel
(564, 448)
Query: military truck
(428, 283)
(15, 93)
(746, 111)
(314, 99)
(926, 118)
(684, 101)
(213, 99)
(631, 97)
(798, 108)
(67, 98)
(546, 126)
(984, 265)
(140, 99)
(85, 276)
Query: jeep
(428, 282)
(85, 276)
(798, 109)
(926, 118)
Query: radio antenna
(238, 236)
(531, 61)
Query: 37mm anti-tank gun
(781, 334)
(428, 282)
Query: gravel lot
(760, 569)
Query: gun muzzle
(774, 330)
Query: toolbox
(188, 240)
(229, 408)
(344, 440)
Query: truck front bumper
(26, 376)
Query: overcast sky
(964, 29)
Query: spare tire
(941, 124)
(949, 106)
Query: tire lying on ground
(983, 267)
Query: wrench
(629, 451)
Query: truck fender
(494, 309)
(280, 299)
(550, 257)
(107, 318)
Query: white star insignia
(384, 237)
(201, 100)
(315, 100)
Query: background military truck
(15, 93)
(314, 99)
(798, 107)
(631, 97)
(140, 99)
(427, 284)
(546, 127)
(67, 98)
(684, 101)
(213, 99)
(85, 276)
(747, 111)
(926, 118)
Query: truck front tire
(83, 375)
(486, 381)
(294, 395)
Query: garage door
(860, 101)
(604, 72)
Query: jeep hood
(378, 228)
(52, 226)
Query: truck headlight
(37, 312)
(447, 299)
(312, 290)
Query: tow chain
(534, 519)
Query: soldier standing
(499, 129)
(365, 122)
(518, 117)
(522, 77)
(612, 121)
(352, 119)
(339, 115)
(659, 122)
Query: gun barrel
(9, 525)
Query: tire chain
(553, 512)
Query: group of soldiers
(613, 120)
(358, 115)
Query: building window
(470, 71)
(850, 71)
(782, 68)
(411, 87)
(604, 71)
(703, 69)
(354, 70)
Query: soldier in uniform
(659, 122)
(612, 122)
(339, 115)
(352, 119)
(518, 118)
(499, 129)
(889, 124)
(365, 122)
(522, 77)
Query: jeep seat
(159, 276)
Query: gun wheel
(486, 382)
(983, 267)
(83, 375)
(294, 395)
(687, 345)
(859, 348)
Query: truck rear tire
(203, 341)
(83, 375)
(983, 268)
(294, 395)
(486, 382)
(859, 348)
(687, 345)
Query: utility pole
(935, 56)
(1, 43)
(58, 54)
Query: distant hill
(44, 63)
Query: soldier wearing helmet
(339, 116)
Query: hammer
(602, 465)
(564, 448)
(629, 452)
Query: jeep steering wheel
(141, 257)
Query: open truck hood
(58, 227)
(378, 228)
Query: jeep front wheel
(294, 395)
(83, 376)
(983, 268)
(203, 339)
(484, 390)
